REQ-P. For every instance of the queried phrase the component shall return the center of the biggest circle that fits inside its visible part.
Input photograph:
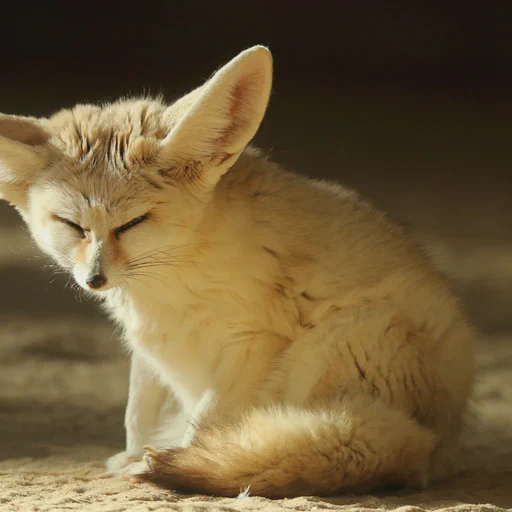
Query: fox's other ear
(217, 120)
(21, 155)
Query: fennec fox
(284, 334)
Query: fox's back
(330, 247)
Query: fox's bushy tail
(285, 452)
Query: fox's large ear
(21, 155)
(217, 120)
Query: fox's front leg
(243, 367)
(238, 386)
(145, 400)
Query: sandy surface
(63, 384)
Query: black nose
(96, 281)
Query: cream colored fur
(285, 335)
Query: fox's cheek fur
(80, 252)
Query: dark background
(407, 101)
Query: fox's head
(107, 190)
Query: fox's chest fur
(184, 326)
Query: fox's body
(285, 335)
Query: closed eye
(81, 231)
(131, 224)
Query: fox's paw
(154, 457)
(117, 465)
(157, 461)
(138, 472)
